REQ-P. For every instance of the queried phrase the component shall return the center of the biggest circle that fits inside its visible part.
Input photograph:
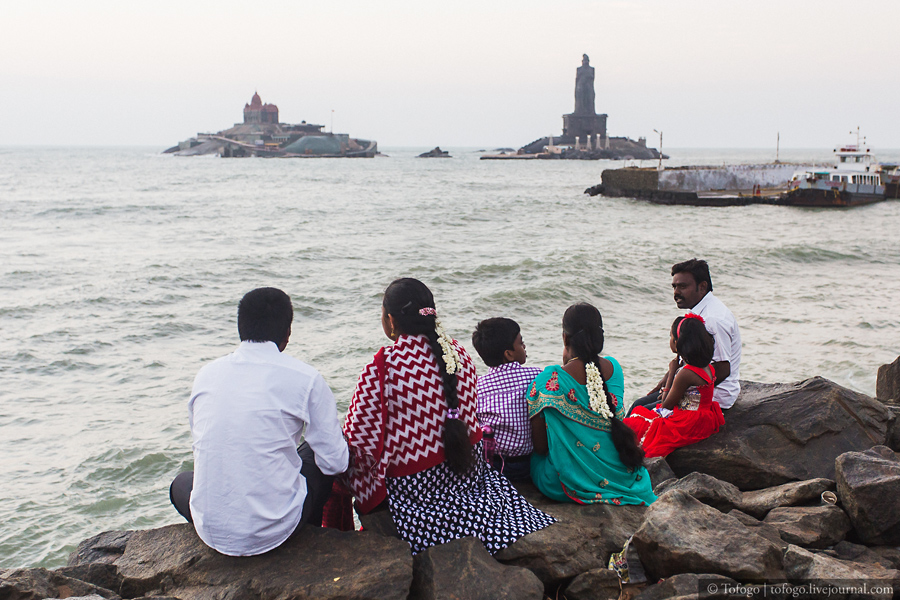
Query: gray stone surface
(776, 433)
(659, 470)
(759, 502)
(680, 534)
(810, 526)
(707, 489)
(463, 569)
(887, 383)
(37, 584)
(759, 528)
(801, 565)
(581, 540)
(597, 584)
(868, 484)
(315, 563)
(685, 585)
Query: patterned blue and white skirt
(436, 506)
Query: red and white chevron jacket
(395, 424)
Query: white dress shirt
(248, 412)
(724, 328)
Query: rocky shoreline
(748, 505)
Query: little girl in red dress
(688, 412)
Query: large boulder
(887, 383)
(596, 584)
(659, 470)
(868, 484)
(37, 584)
(776, 433)
(759, 502)
(582, 539)
(805, 567)
(464, 569)
(810, 526)
(707, 489)
(315, 563)
(682, 535)
(687, 585)
(759, 528)
(887, 557)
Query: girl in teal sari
(582, 451)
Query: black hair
(493, 337)
(693, 342)
(697, 268)
(403, 299)
(583, 327)
(265, 315)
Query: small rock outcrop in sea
(709, 525)
(887, 383)
(435, 152)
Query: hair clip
(427, 312)
(453, 413)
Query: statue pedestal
(584, 125)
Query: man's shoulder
(714, 308)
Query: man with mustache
(692, 287)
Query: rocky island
(584, 135)
(799, 486)
(261, 134)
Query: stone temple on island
(261, 134)
(584, 133)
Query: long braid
(403, 300)
(583, 326)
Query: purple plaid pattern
(502, 405)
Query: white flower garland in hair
(595, 391)
(451, 358)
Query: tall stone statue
(584, 88)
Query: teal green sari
(582, 465)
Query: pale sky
(488, 73)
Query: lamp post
(659, 168)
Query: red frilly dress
(695, 418)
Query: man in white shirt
(692, 287)
(252, 487)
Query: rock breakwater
(745, 507)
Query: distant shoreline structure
(584, 135)
(261, 134)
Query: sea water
(122, 269)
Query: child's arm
(539, 434)
(670, 376)
(682, 381)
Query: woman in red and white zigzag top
(415, 442)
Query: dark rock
(596, 584)
(435, 152)
(581, 540)
(99, 574)
(776, 433)
(662, 487)
(659, 470)
(868, 484)
(759, 502)
(887, 557)
(802, 565)
(682, 535)
(38, 584)
(315, 563)
(686, 585)
(104, 548)
(893, 434)
(759, 528)
(707, 489)
(464, 569)
(887, 383)
(810, 526)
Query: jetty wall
(726, 177)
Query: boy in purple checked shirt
(501, 395)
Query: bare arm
(682, 381)
(539, 434)
(723, 370)
(668, 379)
